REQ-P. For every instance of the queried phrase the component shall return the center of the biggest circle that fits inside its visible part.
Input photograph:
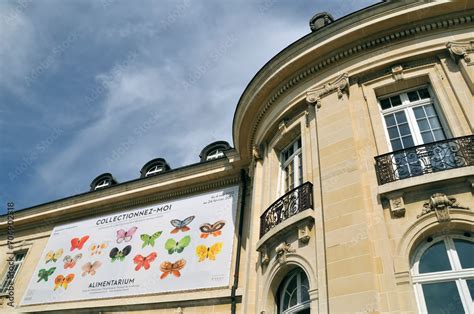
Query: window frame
(457, 274)
(102, 184)
(407, 107)
(298, 163)
(154, 170)
(6, 271)
(301, 305)
(215, 154)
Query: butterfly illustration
(150, 239)
(171, 245)
(43, 274)
(61, 281)
(181, 224)
(144, 261)
(70, 262)
(78, 243)
(90, 268)
(96, 248)
(214, 229)
(126, 236)
(204, 252)
(116, 254)
(52, 256)
(172, 268)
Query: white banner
(182, 244)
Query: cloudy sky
(97, 86)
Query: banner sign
(182, 244)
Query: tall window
(443, 274)
(411, 119)
(293, 293)
(292, 165)
(10, 274)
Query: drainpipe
(243, 179)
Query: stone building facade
(354, 157)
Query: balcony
(423, 159)
(290, 204)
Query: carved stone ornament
(397, 206)
(257, 152)
(397, 72)
(283, 249)
(339, 85)
(264, 258)
(440, 204)
(304, 234)
(461, 50)
(320, 20)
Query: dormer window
(214, 150)
(217, 153)
(154, 167)
(103, 183)
(105, 180)
(153, 170)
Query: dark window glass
(396, 100)
(413, 96)
(465, 250)
(424, 94)
(470, 285)
(434, 259)
(390, 120)
(385, 103)
(442, 297)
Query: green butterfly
(150, 239)
(172, 245)
(44, 274)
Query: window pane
(427, 137)
(390, 120)
(395, 100)
(304, 287)
(401, 118)
(396, 144)
(404, 129)
(434, 122)
(393, 132)
(470, 285)
(413, 96)
(407, 141)
(423, 125)
(442, 297)
(385, 103)
(465, 250)
(435, 259)
(424, 93)
(430, 112)
(439, 135)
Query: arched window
(293, 296)
(443, 274)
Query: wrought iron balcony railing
(428, 158)
(292, 203)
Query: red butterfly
(144, 261)
(78, 243)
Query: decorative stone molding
(411, 31)
(320, 20)
(179, 310)
(339, 85)
(264, 258)
(460, 50)
(397, 205)
(257, 152)
(440, 204)
(304, 232)
(397, 72)
(282, 250)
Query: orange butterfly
(172, 268)
(61, 281)
(144, 261)
(181, 225)
(90, 268)
(214, 229)
(70, 262)
(78, 243)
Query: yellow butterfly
(204, 252)
(54, 256)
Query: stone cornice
(339, 84)
(369, 44)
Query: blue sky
(97, 86)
